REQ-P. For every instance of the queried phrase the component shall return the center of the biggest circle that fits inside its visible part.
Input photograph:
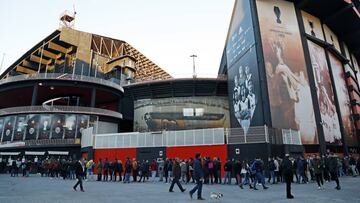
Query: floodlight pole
(194, 73)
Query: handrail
(60, 109)
(62, 76)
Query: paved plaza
(35, 189)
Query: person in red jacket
(153, 168)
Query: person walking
(333, 168)
(318, 166)
(176, 176)
(286, 166)
(198, 177)
(79, 171)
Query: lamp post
(194, 73)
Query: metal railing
(60, 109)
(258, 134)
(62, 76)
(213, 136)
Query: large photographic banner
(241, 33)
(1, 127)
(288, 85)
(343, 99)
(181, 113)
(70, 126)
(19, 128)
(44, 127)
(325, 94)
(82, 123)
(312, 25)
(331, 38)
(244, 90)
(57, 126)
(32, 126)
(243, 77)
(9, 123)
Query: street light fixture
(194, 73)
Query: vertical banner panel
(243, 75)
(288, 86)
(57, 126)
(9, 123)
(19, 128)
(343, 99)
(44, 127)
(244, 92)
(325, 94)
(32, 126)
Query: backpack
(210, 165)
(253, 168)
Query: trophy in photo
(278, 14)
(312, 28)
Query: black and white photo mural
(244, 90)
(242, 67)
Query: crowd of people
(252, 173)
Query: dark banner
(288, 85)
(19, 128)
(32, 126)
(244, 92)
(241, 34)
(182, 113)
(70, 126)
(343, 99)
(44, 127)
(82, 123)
(1, 127)
(57, 126)
(325, 94)
(9, 123)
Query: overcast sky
(166, 31)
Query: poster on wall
(343, 99)
(244, 92)
(1, 127)
(181, 113)
(288, 85)
(312, 25)
(82, 123)
(9, 123)
(355, 62)
(241, 34)
(331, 38)
(347, 53)
(19, 128)
(325, 94)
(57, 126)
(44, 127)
(70, 126)
(32, 126)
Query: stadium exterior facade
(291, 87)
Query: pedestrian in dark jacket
(318, 170)
(106, 169)
(99, 170)
(176, 176)
(333, 168)
(79, 171)
(287, 168)
(198, 176)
